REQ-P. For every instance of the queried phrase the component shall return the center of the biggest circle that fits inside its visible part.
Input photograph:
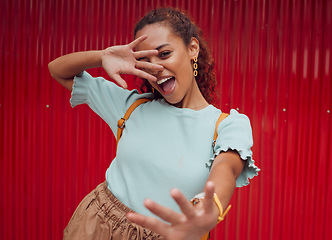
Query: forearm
(68, 66)
(224, 172)
(224, 182)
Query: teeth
(163, 80)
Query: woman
(167, 143)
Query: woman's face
(175, 82)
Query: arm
(65, 68)
(115, 60)
(195, 221)
(226, 168)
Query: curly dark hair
(185, 28)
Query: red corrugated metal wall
(273, 63)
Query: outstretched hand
(191, 224)
(122, 59)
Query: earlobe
(194, 47)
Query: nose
(155, 71)
(156, 68)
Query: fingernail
(210, 183)
(147, 201)
(174, 190)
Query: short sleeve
(235, 133)
(105, 98)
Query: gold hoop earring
(195, 67)
(152, 89)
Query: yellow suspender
(215, 136)
(122, 121)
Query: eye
(164, 54)
(143, 59)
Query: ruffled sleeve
(234, 133)
(105, 98)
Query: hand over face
(191, 224)
(122, 59)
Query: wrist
(99, 57)
(220, 212)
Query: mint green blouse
(162, 146)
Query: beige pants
(101, 216)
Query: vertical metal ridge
(273, 63)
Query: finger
(149, 66)
(137, 41)
(149, 222)
(185, 206)
(145, 53)
(208, 202)
(116, 77)
(164, 213)
(144, 75)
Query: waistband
(106, 196)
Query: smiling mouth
(166, 84)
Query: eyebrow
(161, 46)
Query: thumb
(119, 80)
